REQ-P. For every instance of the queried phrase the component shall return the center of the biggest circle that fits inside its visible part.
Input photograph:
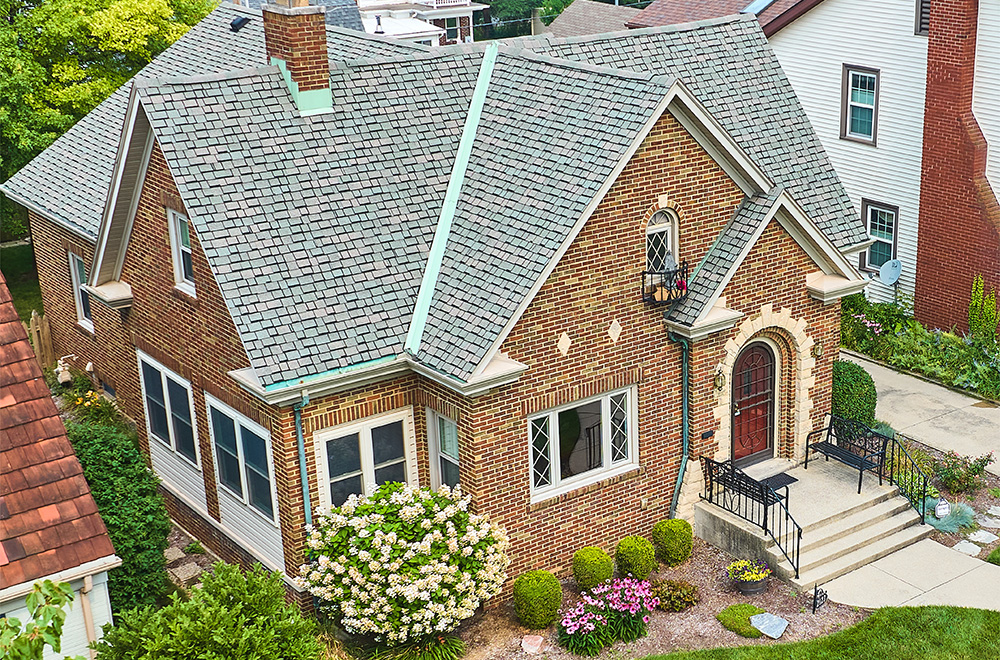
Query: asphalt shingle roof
(591, 17)
(340, 13)
(69, 181)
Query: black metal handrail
(904, 472)
(732, 490)
(662, 287)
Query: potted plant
(749, 575)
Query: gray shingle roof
(69, 181)
(341, 13)
(591, 17)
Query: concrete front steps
(869, 529)
(841, 529)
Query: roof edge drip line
(429, 282)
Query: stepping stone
(186, 573)
(172, 554)
(967, 547)
(531, 643)
(769, 624)
(988, 521)
(982, 536)
(994, 511)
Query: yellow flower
(87, 404)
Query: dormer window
(664, 280)
(180, 243)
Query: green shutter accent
(436, 256)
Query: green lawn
(18, 266)
(892, 633)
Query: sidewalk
(935, 415)
(926, 573)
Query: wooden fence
(41, 339)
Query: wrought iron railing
(900, 469)
(731, 489)
(662, 287)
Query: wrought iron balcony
(665, 286)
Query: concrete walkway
(935, 415)
(925, 573)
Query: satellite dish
(888, 274)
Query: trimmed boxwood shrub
(124, 489)
(635, 556)
(537, 597)
(591, 566)
(673, 540)
(854, 394)
(994, 557)
(233, 615)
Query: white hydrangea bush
(405, 563)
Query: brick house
(923, 79)
(487, 265)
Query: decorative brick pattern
(959, 217)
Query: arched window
(661, 242)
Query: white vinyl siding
(165, 425)
(986, 94)
(812, 51)
(581, 443)
(356, 458)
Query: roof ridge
(543, 58)
(248, 72)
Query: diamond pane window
(660, 232)
(540, 464)
(619, 427)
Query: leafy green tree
(60, 58)
(45, 605)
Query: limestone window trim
(365, 473)
(544, 453)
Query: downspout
(304, 477)
(88, 615)
(685, 422)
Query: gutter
(303, 476)
(69, 575)
(685, 421)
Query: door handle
(736, 410)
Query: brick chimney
(295, 38)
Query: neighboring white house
(986, 92)
(860, 70)
(426, 22)
(49, 525)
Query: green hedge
(673, 540)
(591, 567)
(854, 394)
(537, 597)
(136, 517)
(635, 556)
(233, 615)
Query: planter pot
(751, 588)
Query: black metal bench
(853, 444)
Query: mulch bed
(497, 634)
(980, 501)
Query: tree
(45, 606)
(60, 58)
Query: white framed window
(359, 457)
(180, 246)
(243, 461)
(583, 442)
(661, 242)
(451, 29)
(442, 434)
(881, 221)
(169, 409)
(78, 272)
(859, 111)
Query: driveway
(925, 573)
(935, 415)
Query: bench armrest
(812, 433)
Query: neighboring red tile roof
(668, 12)
(48, 519)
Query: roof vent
(378, 25)
(238, 23)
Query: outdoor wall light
(719, 380)
(817, 350)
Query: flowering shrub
(626, 602)
(92, 407)
(583, 631)
(404, 564)
(748, 570)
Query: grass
(900, 633)
(737, 619)
(18, 266)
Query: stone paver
(771, 625)
(926, 573)
(984, 537)
(994, 510)
(988, 522)
(935, 415)
(186, 573)
(967, 547)
(172, 554)
(531, 643)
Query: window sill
(557, 496)
(185, 293)
(85, 328)
(860, 140)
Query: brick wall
(298, 37)
(464, 30)
(959, 217)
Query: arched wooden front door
(753, 404)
